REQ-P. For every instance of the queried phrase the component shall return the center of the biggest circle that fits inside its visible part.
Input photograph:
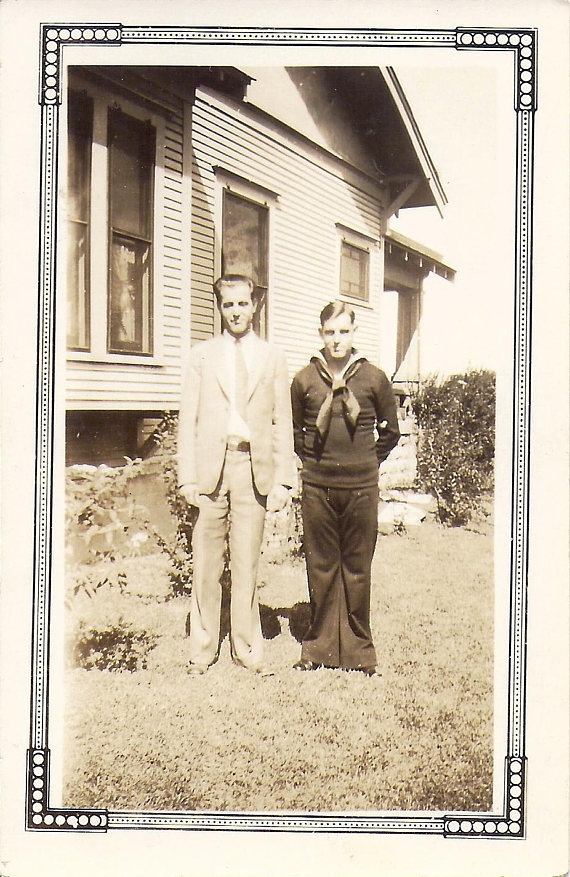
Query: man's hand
(278, 498)
(190, 493)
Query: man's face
(236, 308)
(337, 335)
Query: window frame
(79, 95)
(120, 233)
(360, 244)
(103, 98)
(260, 196)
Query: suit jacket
(204, 410)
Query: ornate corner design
(510, 824)
(523, 44)
(54, 37)
(40, 816)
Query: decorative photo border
(510, 822)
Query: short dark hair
(232, 279)
(335, 309)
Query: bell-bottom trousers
(340, 528)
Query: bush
(456, 419)
(102, 519)
(116, 647)
(104, 525)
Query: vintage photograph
(280, 440)
(284, 580)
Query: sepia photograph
(282, 498)
(343, 527)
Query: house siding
(314, 195)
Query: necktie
(338, 386)
(240, 381)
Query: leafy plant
(103, 522)
(456, 418)
(89, 579)
(116, 647)
(101, 512)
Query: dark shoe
(369, 671)
(196, 670)
(306, 665)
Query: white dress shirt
(236, 424)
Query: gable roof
(384, 121)
(369, 100)
(416, 156)
(361, 115)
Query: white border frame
(54, 39)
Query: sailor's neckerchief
(338, 387)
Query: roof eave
(429, 174)
(428, 258)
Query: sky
(467, 119)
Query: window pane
(80, 133)
(131, 181)
(130, 298)
(77, 286)
(245, 247)
(354, 272)
(244, 239)
(131, 173)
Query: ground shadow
(298, 617)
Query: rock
(400, 512)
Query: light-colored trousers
(235, 493)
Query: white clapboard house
(176, 174)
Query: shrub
(103, 523)
(456, 418)
(116, 647)
(89, 579)
(101, 513)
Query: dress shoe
(369, 671)
(196, 670)
(306, 665)
(262, 671)
(258, 669)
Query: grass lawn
(420, 737)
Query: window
(245, 246)
(354, 263)
(408, 322)
(114, 245)
(80, 126)
(131, 179)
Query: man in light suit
(235, 449)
